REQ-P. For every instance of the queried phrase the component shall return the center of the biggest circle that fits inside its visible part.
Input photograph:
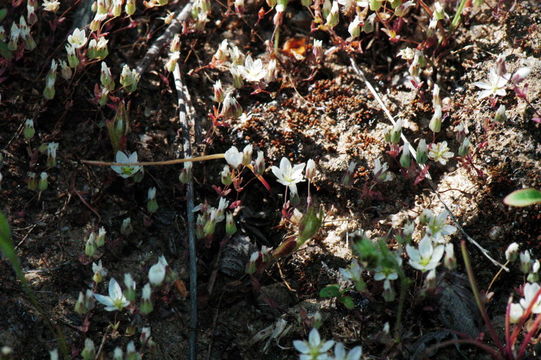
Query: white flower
(310, 171)
(530, 290)
(99, 270)
(515, 313)
(126, 171)
(234, 157)
(440, 152)
(437, 228)
(426, 257)
(353, 272)
(313, 349)
(78, 38)
(116, 299)
(353, 354)
(380, 171)
(156, 273)
(147, 291)
(511, 252)
(151, 194)
(287, 175)
(51, 5)
(253, 70)
(493, 86)
(247, 154)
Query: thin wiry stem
(185, 109)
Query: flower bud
(511, 253)
(422, 152)
(435, 122)
(80, 304)
(90, 246)
(236, 73)
(89, 351)
(126, 227)
(464, 148)
(389, 293)
(29, 130)
(106, 78)
(375, 5)
(450, 260)
(130, 7)
(405, 158)
(225, 176)
(310, 170)
(500, 114)
(515, 313)
(186, 173)
(118, 354)
(251, 267)
(520, 75)
(247, 154)
(525, 262)
(100, 239)
(43, 183)
(394, 134)
(218, 92)
(130, 287)
(334, 15)
(152, 203)
(73, 60)
(430, 280)
(230, 226)
(354, 28)
(146, 305)
(309, 225)
(156, 274)
(317, 49)
(259, 164)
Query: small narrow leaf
(525, 197)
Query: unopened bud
(511, 253)
(309, 224)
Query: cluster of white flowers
(316, 349)
(433, 245)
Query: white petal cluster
(289, 175)
(426, 257)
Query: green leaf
(330, 291)
(5, 52)
(3, 13)
(348, 302)
(525, 197)
(7, 249)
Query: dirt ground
(322, 112)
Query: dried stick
(185, 112)
(413, 153)
(173, 28)
(155, 163)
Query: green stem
(404, 284)
(458, 14)
(477, 295)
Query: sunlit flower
(234, 157)
(156, 273)
(116, 299)
(313, 349)
(253, 70)
(440, 152)
(51, 5)
(515, 313)
(493, 86)
(341, 354)
(287, 175)
(78, 38)
(530, 290)
(126, 171)
(426, 257)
